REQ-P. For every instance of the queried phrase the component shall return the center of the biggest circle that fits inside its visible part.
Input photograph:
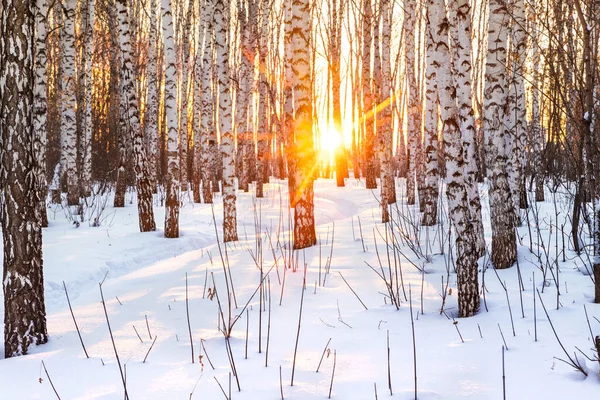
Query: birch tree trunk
(413, 106)
(304, 217)
(515, 122)
(458, 207)
(537, 135)
(221, 21)
(263, 118)
(172, 178)
(368, 116)
(459, 13)
(23, 278)
(430, 191)
(387, 126)
(207, 121)
(151, 113)
(41, 108)
(69, 105)
(132, 123)
(247, 20)
(504, 245)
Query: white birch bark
(69, 105)
(386, 131)
(23, 278)
(456, 191)
(221, 26)
(86, 140)
(304, 217)
(247, 20)
(172, 200)
(430, 191)
(151, 113)
(459, 16)
(515, 123)
(504, 246)
(537, 136)
(413, 107)
(207, 121)
(41, 108)
(132, 122)
(368, 119)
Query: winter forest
(298, 199)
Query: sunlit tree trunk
(459, 13)
(131, 114)
(458, 208)
(151, 113)
(221, 21)
(41, 109)
(515, 123)
(304, 217)
(207, 124)
(336, 10)
(430, 191)
(385, 126)
(23, 279)
(413, 107)
(247, 20)
(172, 178)
(262, 140)
(69, 105)
(504, 246)
(368, 117)
(537, 136)
(88, 9)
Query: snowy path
(147, 274)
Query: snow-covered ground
(145, 277)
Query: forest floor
(144, 287)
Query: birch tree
(504, 245)
(41, 107)
(456, 191)
(207, 120)
(459, 13)
(515, 122)
(69, 105)
(221, 26)
(131, 116)
(430, 191)
(172, 176)
(23, 279)
(413, 106)
(151, 113)
(304, 217)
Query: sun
(330, 140)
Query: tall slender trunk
(304, 215)
(207, 122)
(41, 109)
(22, 278)
(134, 129)
(515, 123)
(430, 191)
(413, 107)
(458, 207)
(221, 21)
(172, 200)
(504, 245)
(69, 105)
(459, 13)
(153, 98)
(368, 116)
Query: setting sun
(330, 140)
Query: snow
(145, 277)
